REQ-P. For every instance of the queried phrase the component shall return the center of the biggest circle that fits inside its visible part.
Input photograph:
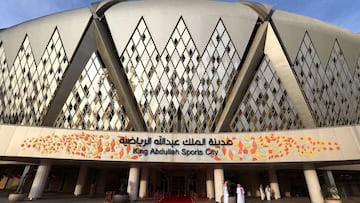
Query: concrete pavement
(69, 198)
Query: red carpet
(176, 199)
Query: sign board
(286, 146)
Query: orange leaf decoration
(246, 151)
(231, 155)
(217, 158)
(134, 157)
(98, 143)
(268, 140)
(121, 153)
(223, 150)
(254, 147)
(240, 146)
(128, 149)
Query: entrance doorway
(178, 186)
(179, 183)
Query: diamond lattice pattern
(93, 102)
(26, 88)
(266, 105)
(332, 92)
(180, 87)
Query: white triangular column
(144, 182)
(40, 179)
(313, 184)
(133, 183)
(274, 185)
(219, 182)
(81, 180)
(210, 184)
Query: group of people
(266, 193)
(240, 193)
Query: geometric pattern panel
(93, 102)
(3, 70)
(356, 85)
(32, 87)
(180, 90)
(332, 92)
(266, 105)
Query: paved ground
(68, 198)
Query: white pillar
(210, 184)
(133, 183)
(40, 179)
(313, 185)
(219, 182)
(81, 180)
(143, 182)
(274, 185)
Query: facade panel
(232, 91)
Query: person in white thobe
(262, 193)
(240, 194)
(268, 193)
(226, 193)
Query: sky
(343, 13)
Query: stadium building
(178, 97)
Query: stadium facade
(177, 97)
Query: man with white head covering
(226, 192)
(240, 194)
(268, 193)
(262, 193)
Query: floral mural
(233, 148)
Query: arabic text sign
(149, 146)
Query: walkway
(176, 199)
(61, 198)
